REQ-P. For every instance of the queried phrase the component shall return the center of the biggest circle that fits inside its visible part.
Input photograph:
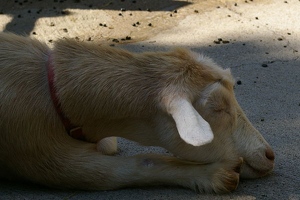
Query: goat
(178, 100)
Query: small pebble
(128, 38)
(123, 9)
(115, 40)
(104, 25)
(196, 11)
(149, 24)
(175, 11)
(279, 39)
(65, 30)
(225, 41)
(256, 18)
(239, 82)
(262, 119)
(264, 65)
(33, 33)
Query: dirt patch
(120, 21)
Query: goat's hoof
(227, 179)
(108, 146)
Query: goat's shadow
(25, 13)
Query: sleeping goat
(61, 110)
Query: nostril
(270, 154)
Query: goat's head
(212, 126)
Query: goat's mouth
(249, 171)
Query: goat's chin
(249, 172)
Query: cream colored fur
(111, 92)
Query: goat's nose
(270, 154)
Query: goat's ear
(192, 128)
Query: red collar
(73, 130)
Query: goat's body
(35, 146)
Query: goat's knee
(108, 146)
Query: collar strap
(73, 130)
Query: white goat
(177, 100)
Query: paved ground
(255, 33)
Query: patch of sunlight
(4, 19)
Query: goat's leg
(84, 168)
(151, 169)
